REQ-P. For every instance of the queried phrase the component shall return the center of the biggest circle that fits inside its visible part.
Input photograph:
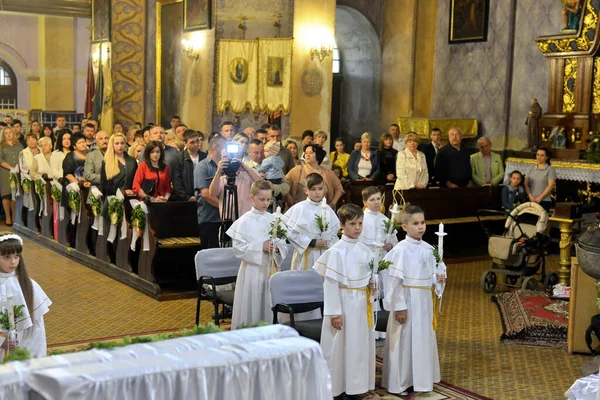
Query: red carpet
(530, 318)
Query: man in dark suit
(430, 150)
(453, 162)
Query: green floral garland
(436, 254)
(388, 223)
(56, 194)
(138, 219)
(115, 211)
(321, 223)
(13, 180)
(40, 188)
(18, 313)
(26, 184)
(593, 151)
(74, 200)
(381, 266)
(96, 205)
(281, 232)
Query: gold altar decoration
(565, 245)
(237, 76)
(275, 75)
(128, 63)
(596, 87)
(568, 92)
(570, 44)
(423, 126)
(558, 163)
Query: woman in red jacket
(152, 179)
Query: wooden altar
(574, 83)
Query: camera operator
(231, 171)
(205, 171)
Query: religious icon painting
(468, 21)
(100, 21)
(238, 70)
(197, 15)
(275, 71)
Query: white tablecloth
(289, 368)
(565, 169)
(12, 375)
(585, 388)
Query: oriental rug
(530, 318)
(441, 391)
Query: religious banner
(274, 76)
(237, 81)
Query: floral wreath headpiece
(11, 236)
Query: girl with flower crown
(29, 302)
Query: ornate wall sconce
(321, 53)
(191, 47)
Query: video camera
(233, 149)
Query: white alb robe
(411, 355)
(302, 229)
(30, 328)
(350, 352)
(252, 302)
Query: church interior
(523, 75)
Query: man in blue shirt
(209, 218)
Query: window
(4, 77)
(337, 64)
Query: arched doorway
(357, 101)
(8, 86)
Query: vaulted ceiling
(64, 8)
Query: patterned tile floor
(88, 305)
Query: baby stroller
(519, 253)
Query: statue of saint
(571, 14)
(533, 124)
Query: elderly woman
(41, 162)
(364, 162)
(9, 157)
(26, 155)
(313, 156)
(540, 180)
(411, 166)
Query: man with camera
(236, 175)
(205, 171)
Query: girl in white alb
(18, 289)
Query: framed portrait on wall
(468, 21)
(169, 17)
(196, 15)
(100, 21)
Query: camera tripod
(230, 211)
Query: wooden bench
(174, 241)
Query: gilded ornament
(596, 87)
(570, 77)
(312, 82)
(238, 70)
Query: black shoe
(340, 397)
(352, 397)
(225, 314)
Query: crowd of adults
(155, 164)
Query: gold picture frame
(468, 21)
(197, 15)
(176, 50)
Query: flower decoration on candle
(278, 231)
(322, 219)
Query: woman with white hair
(364, 162)
(41, 162)
(411, 165)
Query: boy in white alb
(411, 356)
(374, 231)
(374, 234)
(310, 240)
(261, 256)
(347, 335)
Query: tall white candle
(441, 235)
(10, 309)
(394, 211)
(324, 210)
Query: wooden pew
(83, 222)
(174, 241)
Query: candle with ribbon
(394, 211)
(277, 216)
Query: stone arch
(360, 53)
(17, 63)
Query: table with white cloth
(565, 169)
(257, 363)
(585, 388)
